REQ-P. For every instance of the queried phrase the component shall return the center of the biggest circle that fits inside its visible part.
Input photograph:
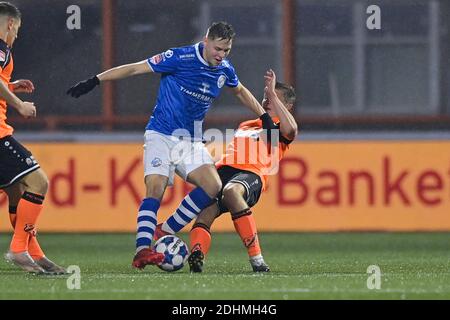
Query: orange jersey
(6, 69)
(249, 152)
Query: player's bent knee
(207, 178)
(212, 188)
(233, 191)
(36, 182)
(155, 186)
(215, 188)
(155, 191)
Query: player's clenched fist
(27, 109)
(83, 87)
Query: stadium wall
(322, 186)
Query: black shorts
(251, 182)
(15, 161)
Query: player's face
(13, 26)
(216, 50)
(266, 104)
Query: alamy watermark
(74, 280)
(73, 22)
(373, 22)
(374, 280)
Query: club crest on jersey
(221, 81)
(168, 54)
(157, 58)
(2, 56)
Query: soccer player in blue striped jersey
(191, 78)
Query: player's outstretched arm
(26, 109)
(288, 125)
(116, 73)
(247, 99)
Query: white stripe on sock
(192, 204)
(165, 227)
(187, 212)
(146, 224)
(178, 219)
(146, 235)
(146, 213)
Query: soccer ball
(175, 250)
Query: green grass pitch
(304, 266)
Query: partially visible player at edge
(191, 78)
(242, 182)
(21, 177)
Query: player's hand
(83, 87)
(27, 109)
(270, 79)
(22, 85)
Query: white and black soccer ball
(175, 250)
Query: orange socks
(28, 211)
(34, 249)
(245, 226)
(200, 238)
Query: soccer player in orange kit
(21, 177)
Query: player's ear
(11, 22)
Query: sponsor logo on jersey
(221, 81)
(187, 56)
(157, 58)
(168, 54)
(205, 88)
(196, 95)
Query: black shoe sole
(261, 269)
(195, 261)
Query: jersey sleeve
(232, 78)
(165, 62)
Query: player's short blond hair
(9, 10)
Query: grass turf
(304, 266)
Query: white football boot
(24, 261)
